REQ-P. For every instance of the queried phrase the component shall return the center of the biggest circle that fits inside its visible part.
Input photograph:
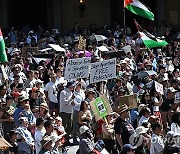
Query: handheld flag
(138, 8)
(3, 55)
(148, 39)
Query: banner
(100, 107)
(31, 50)
(159, 88)
(130, 100)
(104, 70)
(77, 68)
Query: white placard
(57, 47)
(159, 88)
(77, 68)
(4, 74)
(104, 70)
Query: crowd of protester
(40, 111)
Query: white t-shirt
(79, 97)
(155, 108)
(51, 88)
(38, 137)
(157, 145)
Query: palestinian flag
(138, 8)
(3, 55)
(42, 57)
(148, 39)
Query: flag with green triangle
(138, 8)
(3, 55)
(148, 39)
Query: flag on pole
(138, 8)
(3, 56)
(148, 39)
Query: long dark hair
(175, 118)
(82, 105)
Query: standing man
(51, 95)
(123, 129)
(26, 144)
(66, 107)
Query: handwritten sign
(104, 70)
(100, 107)
(77, 68)
(159, 88)
(129, 100)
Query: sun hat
(123, 108)
(83, 129)
(141, 130)
(44, 105)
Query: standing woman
(39, 133)
(157, 102)
(108, 133)
(43, 112)
(85, 116)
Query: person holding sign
(66, 107)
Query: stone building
(62, 14)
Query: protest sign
(77, 68)
(100, 107)
(31, 50)
(56, 47)
(130, 100)
(104, 70)
(159, 88)
(4, 74)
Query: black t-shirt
(14, 147)
(166, 105)
(124, 128)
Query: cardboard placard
(100, 107)
(31, 50)
(159, 88)
(104, 70)
(130, 100)
(77, 68)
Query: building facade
(62, 14)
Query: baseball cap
(16, 94)
(128, 147)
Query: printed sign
(77, 68)
(104, 70)
(159, 88)
(100, 107)
(130, 100)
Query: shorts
(53, 105)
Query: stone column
(57, 14)
(4, 13)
